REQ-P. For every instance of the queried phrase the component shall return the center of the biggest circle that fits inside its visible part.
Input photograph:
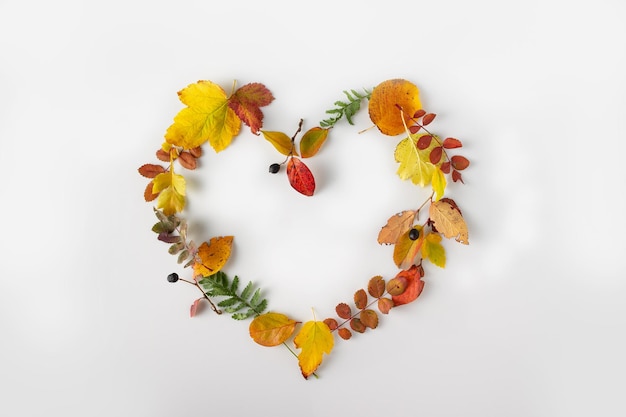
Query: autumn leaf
(207, 117)
(213, 255)
(280, 141)
(300, 177)
(396, 226)
(271, 329)
(406, 250)
(150, 170)
(148, 195)
(438, 183)
(171, 190)
(413, 289)
(195, 307)
(312, 141)
(414, 163)
(386, 101)
(315, 339)
(448, 220)
(246, 103)
(433, 250)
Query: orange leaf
(213, 255)
(246, 102)
(343, 310)
(413, 289)
(148, 195)
(315, 340)
(396, 226)
(406, 250)
(312, 141)
(300, 177)
(448, 220)
(150, 170)
(271, 329)
(459, 162)
(344, 333)
(376, 286)
(386, 101)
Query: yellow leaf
(414, 163)
(385, 102)
(271, 329)
(206, 117)
(448, 220)
(312, 141)
(315, 339)
(281, 142)
(433, 250)
(406, 250)
(213, 255)
(438, 183)
(171, 189)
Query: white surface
(526, 321)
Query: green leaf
(234, 285)
(228, 302)
(245, 294)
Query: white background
(528, 320)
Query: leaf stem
(195, 284)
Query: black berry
(414, 234)
(274, 168)
(173, 277)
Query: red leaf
(424, 142)
(435, 154)
(456, 176)
(343, 310)
(428, 118)
(414, 129)
(414, 287)
(246, 102)
(419, 114)
(300, 177)
(451, 143)
(445, 167)
(459, 162)
(151, 170)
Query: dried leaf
(196, 307)
(357, 325)
(456, 176)
(196, 152)
(385, 103)
(459, 162)
(360, 299)
(271, 329)
(314, 339)
(150, 170)
(428, 118)
(414, 286)
(424, 141)
(435, 155)
(406, 250)
(148, 195)
(187, 160)
(433, 250)
(448, 220)
(280, 141)
(376, 286)
(331, 323)
(396, 225)
(445, 167)
(162, 155)
(206, 117)
(397, 285)
(369, 318)
(451, 143)
(312, 141)
(246, 103)
(213, 255)
(343, 310)
(300, 177)
(384, 305)
(344, 333)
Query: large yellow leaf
(386, 101)
(315, 339)
(448, 220)
(213, 255)
(271, 329)
(206, 117)
(433, 250)
(414, 163)
(171, 190)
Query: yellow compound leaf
(213, 255)
(396, 226)
(414, 163)
(206, 117)
(448, 220)
(315, 339)
(280, 141)
(438, 183)
(171, 190)
(386, 101)
(433, 250)
(406, 250)
(271, 329)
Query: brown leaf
(428, 118)
(445, 167)
(448, 220)
(360, 299)
(162, 155)
(385, 304)
(344, 333)
(148, 195)
(331, 323)
(196, 152)
(456, 176)
(424, 142)
(397, 285)
(357, 325)
(451, 143)
(396, 226)
(459, 162)
(150, 170)
(343, 310)
(376, 286)
(435, 155)
(369, 318)
(187, 160)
